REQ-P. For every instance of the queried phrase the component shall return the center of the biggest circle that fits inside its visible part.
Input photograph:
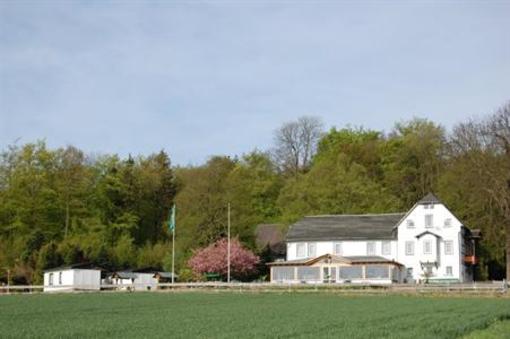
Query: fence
(495, 287)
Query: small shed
(165, 277)
(77, 277)
(122, 278)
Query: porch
(331, 269)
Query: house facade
(428, 243)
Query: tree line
(61, 206)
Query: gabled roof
(428, 232)
(430, 198)
(345, 227)
(270, 235)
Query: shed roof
(124, 275)
(78, 266)
(165, 275)
(345, 227)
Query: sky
(218, 77)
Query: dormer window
(410, 223)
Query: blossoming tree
(213, 259)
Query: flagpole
(173, 255)
(228, 245)
(173, 245)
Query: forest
(63, 206)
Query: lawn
(235, 315)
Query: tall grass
(231, 315)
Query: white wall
(87, 279)
(72, 279)
(145, 280)
(349, 248)
(452, 233)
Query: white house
(426, 243)
(78, 277)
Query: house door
(329, 274)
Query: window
(300, 250)
(386, 248)
(429, 221)
(447, 222)
(449, 271)
(448, 247)
(283, 273)
(329, 274)
(337, 248)
(410, 223)
(311, 249)
(308, 273)
(372, 271)
(410, 273)
(427, 247)
(371, 248)
(50, 280)
(60, 278)
(428, 206)
(351, 272)
(409, 247)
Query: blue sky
(204, 78)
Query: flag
(171, 219)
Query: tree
(296, 143)
(252, 187)
(484, 146)
(213, 259)
(72, 181)
(412, 159)
(202, 202)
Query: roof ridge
(353, 215)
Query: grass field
(233, 315)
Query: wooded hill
(61, 206)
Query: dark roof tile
(345, 227)
(430, 198)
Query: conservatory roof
(351, 260)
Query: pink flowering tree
(213, 259)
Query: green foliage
(61, 206)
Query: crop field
(248, 315)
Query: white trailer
(72, 278)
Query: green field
(235, 315)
